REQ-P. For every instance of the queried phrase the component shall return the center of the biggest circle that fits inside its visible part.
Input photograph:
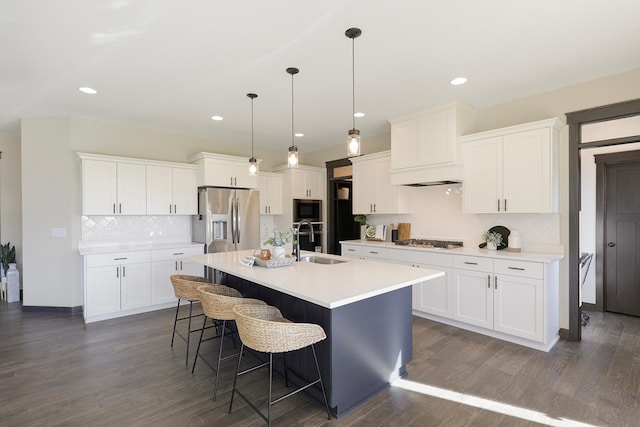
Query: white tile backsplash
(437, 214)
(136, 228)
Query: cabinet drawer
(364, 251)
(175, 253)
(534, 270)
(102, 260)
(420, 257)
(473, 263)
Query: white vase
(492, 246)
(277, 252)
(13, 283)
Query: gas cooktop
(431, 244)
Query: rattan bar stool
(185, 287)
(263, 329)
(217, 303)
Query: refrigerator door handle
(237, 221)
(233, 221)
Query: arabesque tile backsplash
(136, 228)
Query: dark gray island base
(368, 343)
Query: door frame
(602, 162)
(576, 120)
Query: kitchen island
(363, 306)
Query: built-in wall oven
(311, 210)
(305, 231)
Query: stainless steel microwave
(311, 210)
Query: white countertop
(473, 251)
(92, 248)
(328, 286)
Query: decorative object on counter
(253, 163)
(376, 232)
(394, 232)
(278, 239)
(516, 244)
(362, 220)
(492, 240)
(353, 140)
(275, 262)
(248, 261)
(404, 231)
(292, 157)
(504, 233)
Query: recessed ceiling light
(459, 81)
(88, 90)
(216, 118)
(358, 114)
(299, 135)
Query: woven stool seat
(185, 287)
(217, 304)
(264, 329)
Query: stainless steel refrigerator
(228, 219)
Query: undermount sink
(321, 260)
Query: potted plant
(278, 239)
(493, 239)
(7, 256)
(362, 220)
(11, 279)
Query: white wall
(10, 195)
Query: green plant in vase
(7, 256)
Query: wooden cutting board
(404, 231)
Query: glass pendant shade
(253, 166)
(353, 143)
(292, 158)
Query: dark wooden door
(622, 238)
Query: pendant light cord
(292, 127)
(252, 128)
(353, 81)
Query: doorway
(576, 121)
(618, 232)
(340, 223)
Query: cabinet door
(483, 176)
(518, 307)
(385, 195)
(135, 285)
(299, 188)
(473, 297)
(185, 192)
(363, 187)
(405, 144)
(132, 189)
(99, 187)
(527, 165)
(162, 289)
(159, 190)
(434, 296)
(191, 267)
(241, 177)
(102, 291)
(270, 195)
(315, 184)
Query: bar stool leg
(270, 383)
(324, 395)
(175, 322)
(235, 378)
(186, 360)
(195, 359)
(215, 384)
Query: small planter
(492, 246)
(13, 283)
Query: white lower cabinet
(116, 282)
(164, 263)
(514, 300)
(512, 303)
(123, 283)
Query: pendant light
(353, 140)
(292, 157)
(253, 163)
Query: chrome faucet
(311, 236)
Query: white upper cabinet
(223, 171)
(306, 183)
(113, 188)
(126, 186)
(372, 189)
(270, 185)
(512, 170)
(424, 146)
(171, 190)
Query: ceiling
(171, 64)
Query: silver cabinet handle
(170, 208)
(374, 207)
(373, 252)
(505, 205)
(231, 180)
(176, 265)
(498, 205)
(495, 281)
(118, 272)
(471, 263)
(123, 270)
(489, 281)
(175, 209)
(180, 265)
(516, 268)
(121, 258)
(120, 208)
(114, 208)
(352, 250)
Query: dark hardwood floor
(57, 371)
